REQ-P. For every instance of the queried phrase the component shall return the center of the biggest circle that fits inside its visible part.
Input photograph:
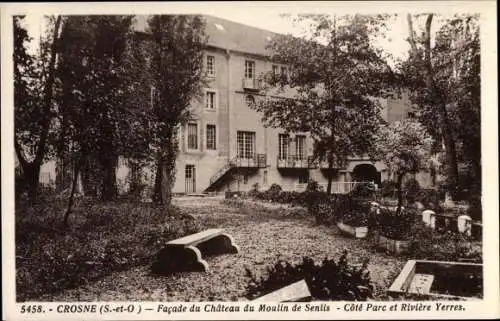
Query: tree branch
(20, 156)
(48, 93)
(411, 33)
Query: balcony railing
(258, 161)
(324, 165)
(252, 84)
(296, 161)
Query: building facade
(226, 146)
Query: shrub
(363, 190)
(352, 211)
(475, 210)
(430, 198)
(254, 191)
(388, 188)
(412, 189)
(313, 186)
(331, 280)
(101, 239)
(428, 244)
(275, 188)
(396, 226)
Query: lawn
(264, 232)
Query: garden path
(263, 237)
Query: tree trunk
(32, 170)
(109, 187)
(163, 180)
(165, 171)
(73, 189)
(450, 148)
(330, 169)
(400, 192)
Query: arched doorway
(366, 173)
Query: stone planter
(357, 232)
(438, 280)
(393, 246)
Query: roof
(227, 34)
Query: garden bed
(357, 232)
(439, 279)
(393, 246)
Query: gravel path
(263, 238)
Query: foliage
(34, 79)
(428, 244)
(254, 191)
(443, 76)
(405, 148)
(352, 211)
(105, 238)
(388, 188)
(363, 190)
(93, 95)
(412, 189)
(430, 198)
(275, 188)
(329, 281)
(475, 210)
(313, 186)
(396, 225)
(176, 68)
(334, 74)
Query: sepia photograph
(217, 156)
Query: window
(193, 136)
(264, 178)
(211, 66)
(211, 137)
(300, 146)
(411, 114)
(250, 100)
(249, 69)
(304, 177)
(210, 100)
(283, 146)
(246, 144)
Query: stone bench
(298, 291)
(185, 253)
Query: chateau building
(226, 146)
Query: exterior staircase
(259, 161)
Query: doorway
(190, 175)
